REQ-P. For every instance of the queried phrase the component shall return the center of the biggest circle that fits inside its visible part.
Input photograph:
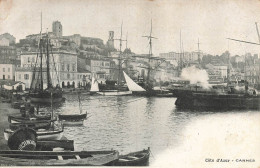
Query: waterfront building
(102, 67)
(63, 69)
(7, 71)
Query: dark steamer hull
(213, 101)
(152, 93)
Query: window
(29, 60)
(8, 69)
(8, 76)
(62, 67)
(19, 76)
(68, 76)
(26, 76)
(33, 59)
(3, 69)
(73, 67)
(68, 67)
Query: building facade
(63, 69)
(7, 71)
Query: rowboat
(19, 119)
(50, 145)
(55, 132)
(72, 119)
(139, 158)
(42, 124)
(57, 158)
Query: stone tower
(110, 42)
(57, 28)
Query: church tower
(57, 28)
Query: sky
(210, 21)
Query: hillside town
(76, 58)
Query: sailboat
(120, 91)
(148, 89)
(94, 85)
(40, 92)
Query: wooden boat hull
(49, 145)
(72, 119)
(46, 100)
(115, 93)
(18, 119)
(41, 134)
(62, 158)
(140, 158)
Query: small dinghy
(139, 158)
(50, 145)
(55, 132)
(34, 124)
(19, 119)
(74, 119)
(58, 158)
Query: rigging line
(55, 67)
(34, 70)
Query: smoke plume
(195, 75)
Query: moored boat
(55, 132)
(72, 119)
(216, 101)
(19, 119)
(140, 158)
(58, 158)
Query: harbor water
(129, 123)
(176, 138)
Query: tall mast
(40, 46)
(199, 59)
(119, 57)
(150, 37)
(41, 55)
(180, 53)
(48, 63)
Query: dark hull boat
(72, 119)
(46, 97)
(224, 101)
(140, 158)
(57, 158)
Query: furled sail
(94, 85)
(132, 86)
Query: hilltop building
(7, 39)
